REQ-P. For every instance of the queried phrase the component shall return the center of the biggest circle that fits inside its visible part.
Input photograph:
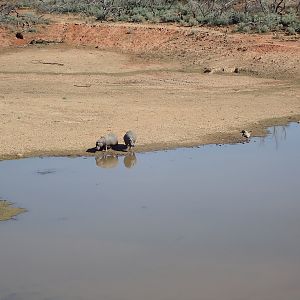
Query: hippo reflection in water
(130, 160)
(107, 161)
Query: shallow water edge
(259, 129)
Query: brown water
(209, 223)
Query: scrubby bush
(247, 29)
(27, 19)
(263, 29)
(291, 30)
(248, 16)
(137, 18)
(237, 17)
(221, 21)
(193, 22)
(170, 16)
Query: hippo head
(100, 144)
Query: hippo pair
(111, 140)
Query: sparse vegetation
(248, 15)
(11, 17)
(7, 211)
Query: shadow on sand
(119, 147)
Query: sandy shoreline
(259, 130)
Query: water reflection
(130, 160)
(278, 135)
(109, 161)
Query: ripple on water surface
(202, 223)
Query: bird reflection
(107, 161)
(130, 160)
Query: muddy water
(206, 223)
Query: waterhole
(205, 223)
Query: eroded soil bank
(57, 99)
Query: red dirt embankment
(270, 55)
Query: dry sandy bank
(58, 99)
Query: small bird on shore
(246, 134)
(129, 139)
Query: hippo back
(111, 139)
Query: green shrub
(98, 13)
(291, 30)
(18, 20)
(149, 16)
(193, 22)
(223, 20)
(169, 16)
(238, 17)
(242, 27)
(124, 18)
(137, 18)
(186, 13)
(263, 29)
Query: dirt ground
(58, 99)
